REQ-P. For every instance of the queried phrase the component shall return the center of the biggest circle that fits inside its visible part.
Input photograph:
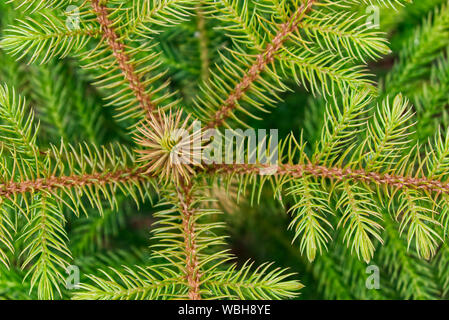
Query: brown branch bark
(262, 61)
(337, 173)
(123, 60)
(188, 225)
(51, 183)
(132, 174)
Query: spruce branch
(150, 16)
(262, 60)
(41, 38)
(188, 224)
(17, 130)
(336, 174)
(73, 175)
(7, 229)
(239, 22)
(189, 261)
(132, 283)
(139, 174)
(412, 276)
(421, 49)
(37, 5)
(50, 184)
(261, 283)
(340, 32)
(309, 211)
(118, 48)
(46, 252)
(361, 219)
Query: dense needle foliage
(91, 92)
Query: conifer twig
(8, 189)
(189, 233)
(262, 60)
(123, 60)
(11, 188)
(336, 173)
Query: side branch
(189, 233)
(262, 61)
(53, 183)
(49, 184)
(336, 173)
(123, 60)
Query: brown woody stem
(188, 225)
(123, 60)
(336, 173)
(52, 183)
(126, 175)
(262, 60)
